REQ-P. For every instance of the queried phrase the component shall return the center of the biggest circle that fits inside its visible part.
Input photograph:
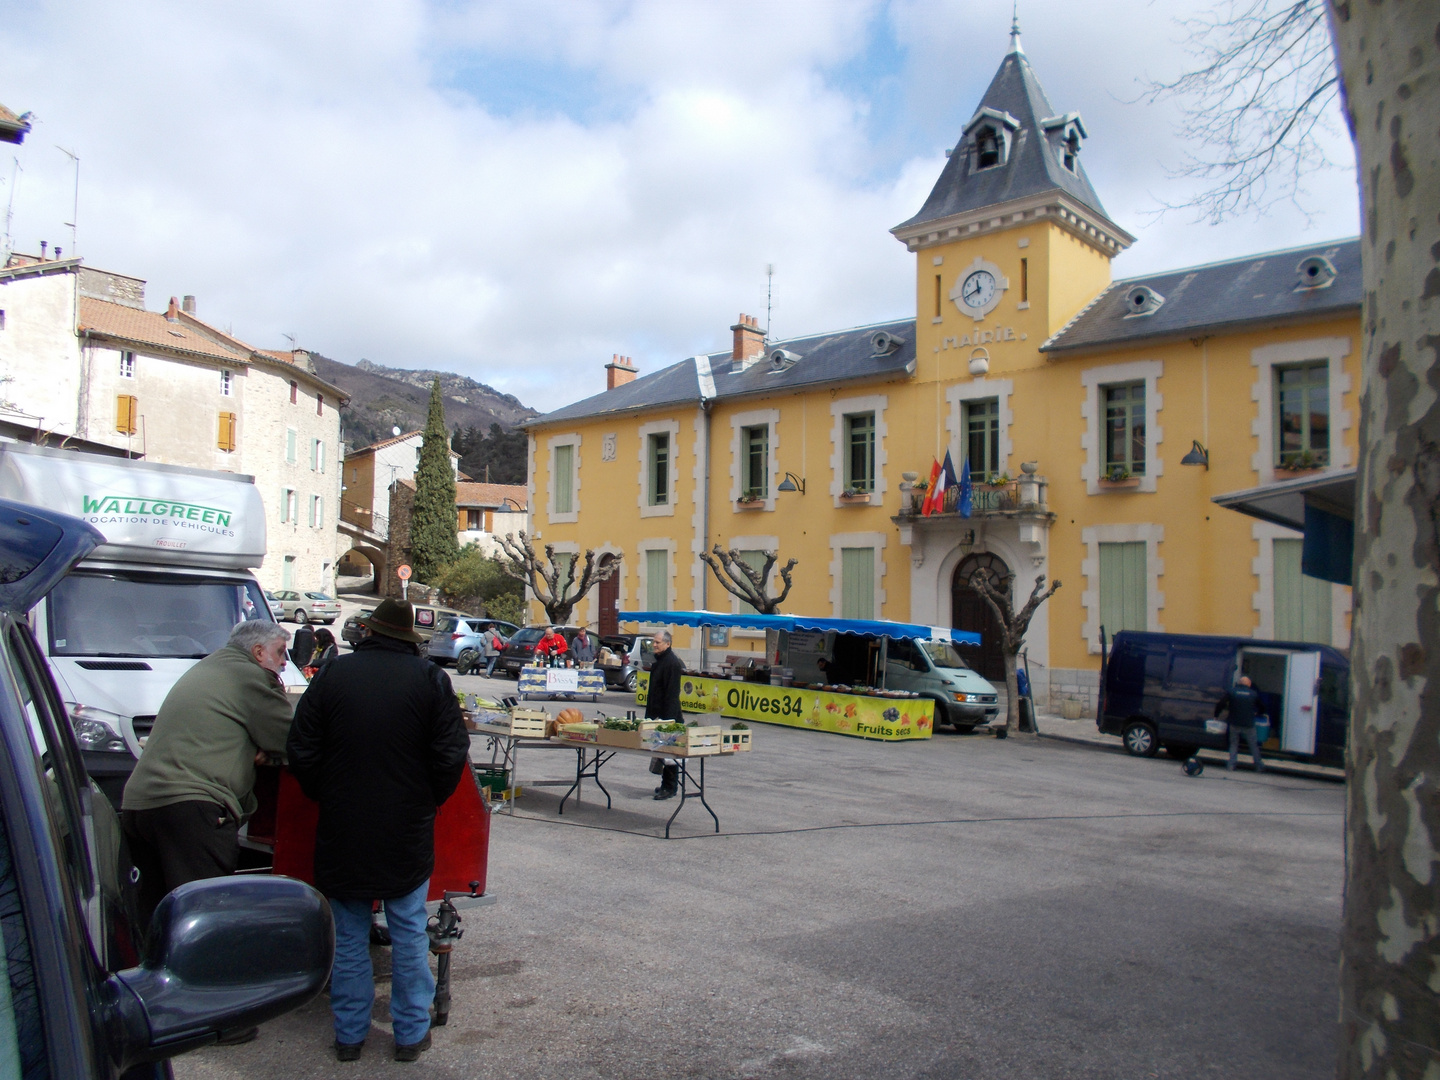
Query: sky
(517, 192)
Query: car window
(148, 615)
(943, 655)
(317, 596)
(903, 653)
(527, 636)
(22, 1035)
(446, 626)
(424, 616)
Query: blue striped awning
(867, 627)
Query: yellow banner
(845, 714)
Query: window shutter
(565, 479)
(127, 411)
(657, 580)
(290, 445)
(1302, 604)
(226, 437)
(755, 560)
(857, 583)
(1123, 600)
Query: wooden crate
(692, 742)
(580, 733)
(528, 723)
(630, 740)
(734, 741)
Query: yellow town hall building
(1110, 412)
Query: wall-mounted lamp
(791, 483)
(1198, 455)
(513, 503)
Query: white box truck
(165, 589)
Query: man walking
(379, 743)
(194, 783)
(662, 702)
(1240, 704)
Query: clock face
(978, 289)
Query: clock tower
(1013, 240)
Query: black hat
(393, 618)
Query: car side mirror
(224, 954)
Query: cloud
(518, 191)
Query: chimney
(187, 305)
(43, 245)
(749, 341)
(57, 251)
(619, 371)
(172, 313)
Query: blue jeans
(352, 980)
(1249, 733)
(490, 664)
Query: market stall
(798, 681)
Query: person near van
(1240, 704)
(551, 645)
(379, 743)
(583, 649)
(325, 648)
(663, 703)
(493, 645)
(194, 783)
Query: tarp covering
(868, 627)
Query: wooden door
(609, 601)
(971, 612)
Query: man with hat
(379, 742)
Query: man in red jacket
(552, 644)
(378, 741)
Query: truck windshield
(942, 654)
(148, 615)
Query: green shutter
(1302, 604)
(657, 580)
(857, 583)
(564, 479)
(1123, 598)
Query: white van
(165, 589)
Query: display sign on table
(891, 719)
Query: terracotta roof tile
(132, 325)
(475, 494)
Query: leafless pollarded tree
(745, 581)
(551, 580)
(1014, 626)
(1259, 108)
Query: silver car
(305, 607)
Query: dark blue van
(1161, 690)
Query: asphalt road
(960, 907)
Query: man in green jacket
(194, 783)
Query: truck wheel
(300, 617)
(1139, 739)
(465, 662)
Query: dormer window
(990, 133)
(1070, 152)
(987, 148)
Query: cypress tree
(433, 532)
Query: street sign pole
(403, 573)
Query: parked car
(520, 649)
(305, 607)
(623, 656)
(223, 955)
(455, 635)
(277, 609)
(426, 619)
(1161, 690)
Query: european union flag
(967, 490)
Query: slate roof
(1032, 167)
(839, 357)
(1217, 296)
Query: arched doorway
(971, 611)
(358, 557)
(609, 593)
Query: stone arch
(375, 557)
(970, 611)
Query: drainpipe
(707, 403)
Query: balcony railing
(1014, 496)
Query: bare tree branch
(741, 579)
(1014, 626)
(543, 576)
(1259, 109)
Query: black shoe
(238, 1038)
(665, 793)
(413, 1051)
(348, 1051)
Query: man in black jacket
(662, 702)
(378, 741)
(1241, 703)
